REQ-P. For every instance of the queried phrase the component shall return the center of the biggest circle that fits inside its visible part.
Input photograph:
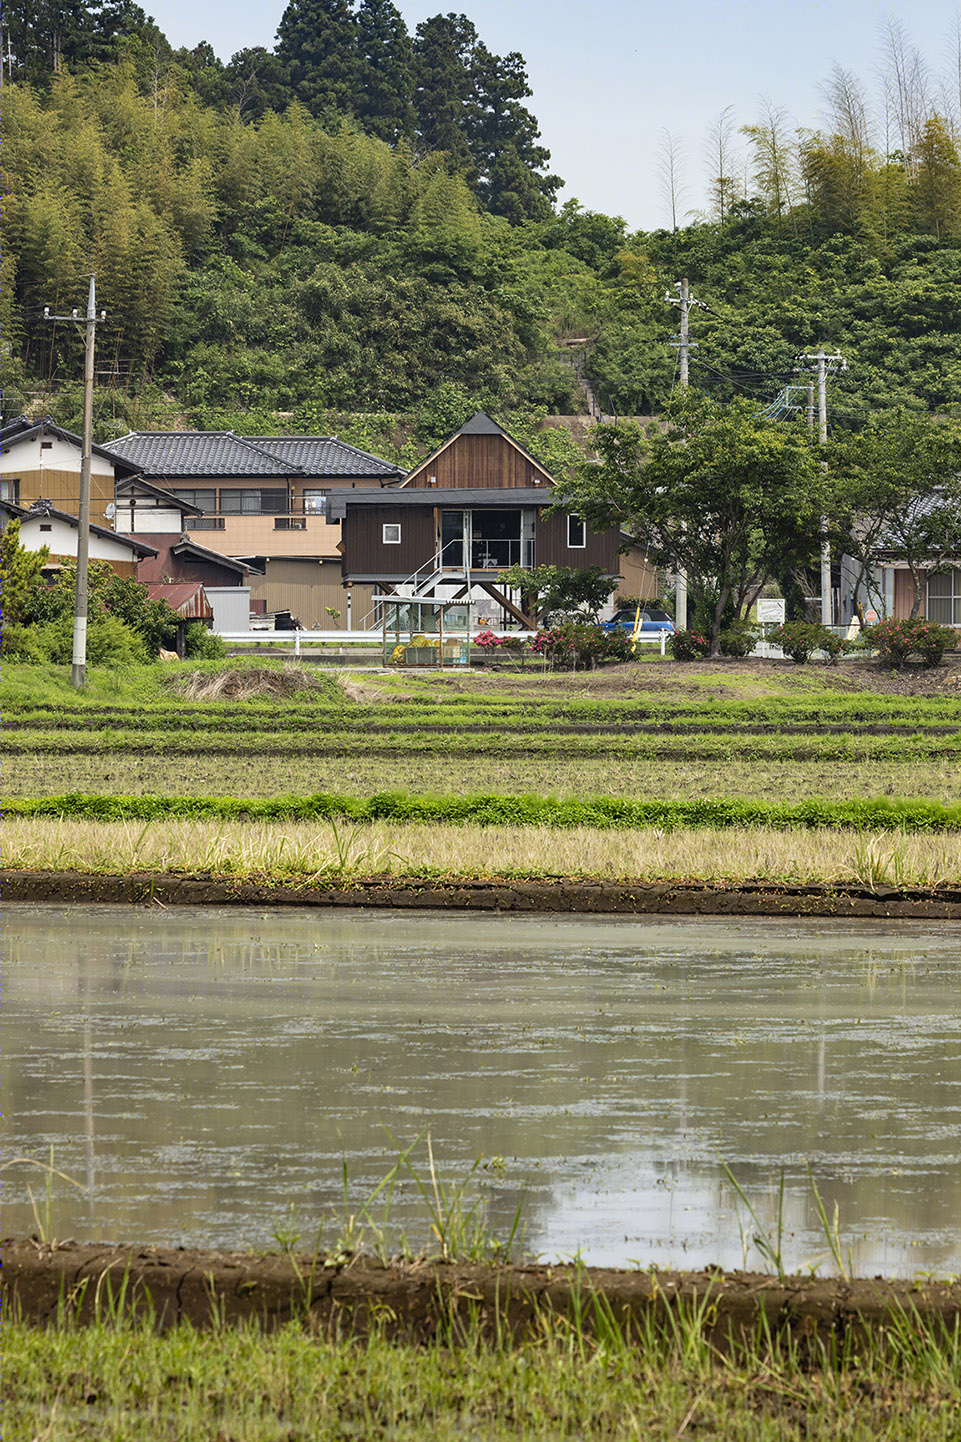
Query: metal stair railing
(427, 575)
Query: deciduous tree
(723, 494)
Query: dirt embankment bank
(639, 898)
(417, 1300)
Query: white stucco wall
(57, 456)
(38, 531)
(142, 518)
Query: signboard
(770, 611)
(870, 618)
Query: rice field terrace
(643, 730)
(753, 750)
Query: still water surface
(206, 1075)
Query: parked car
(651, 620)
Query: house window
(315, 503)
(206, 498)
(252, 501)
(944, 598)
(576, 534)
(46, 527)
(392, 533)
(10, 490)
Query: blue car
(651, 620)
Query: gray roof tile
(183, 455)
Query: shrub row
(527, 810)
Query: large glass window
(252, 501)
(206, 498)
(944, 597)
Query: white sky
(610, 77)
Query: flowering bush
(490, 642)
(897, 640)
(798, 639)
(571, 645)
(688, 645)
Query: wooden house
(262, 500)
(479, 504)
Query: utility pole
(685, 300)
(79, 673)
(821, 360)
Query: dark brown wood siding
(363, 540)
(551, 548)
(479, 462)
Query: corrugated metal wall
(306, 589)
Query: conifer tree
(317, 42)
(384, 103)
(443, 49)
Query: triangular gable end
(480, 424)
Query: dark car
(651, 620)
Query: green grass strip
(603, 812)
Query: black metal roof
(186, 455)
(477, 498)
(327, 456)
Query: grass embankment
(721, 771)
(124, 1382)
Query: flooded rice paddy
(208, 1077)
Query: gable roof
(181, 455)
(137, 484)
(480, 424)
(40, 509)
(17, 431)
(188, 547)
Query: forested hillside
(361, 223)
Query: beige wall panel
(62, 490)
(904, 595)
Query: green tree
(442, 84)
(562, 593)
(937, 187)
(384, 104)
(19, 574)
(317, 45)
(723, 494)
(900, 482)
(503, 135)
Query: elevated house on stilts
(479, 504)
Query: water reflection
(202, 1073)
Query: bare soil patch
(417, 1300)
(641, 898)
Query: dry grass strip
(302, 850)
